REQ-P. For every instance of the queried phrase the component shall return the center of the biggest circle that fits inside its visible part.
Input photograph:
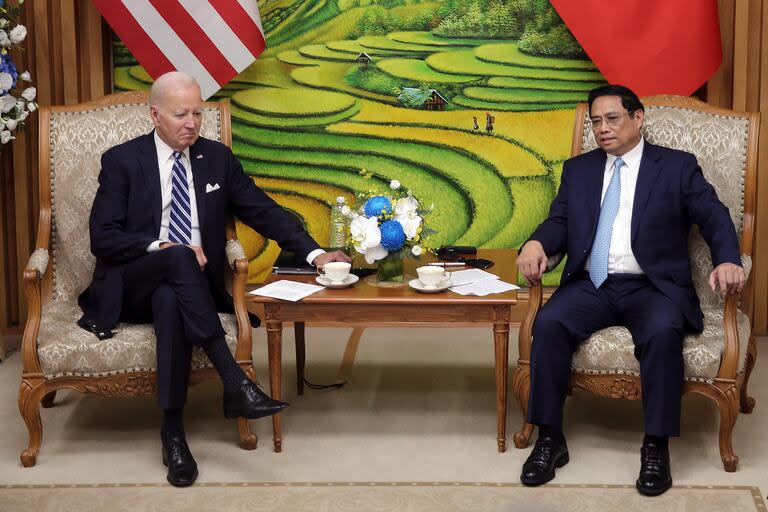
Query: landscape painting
(468, 103)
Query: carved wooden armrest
(729, 364)
(239, 264)
(234, 251)
(746, 263)
(535, 300)
(38, 260)
(33, 275)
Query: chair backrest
(725, 144)
(72, 140)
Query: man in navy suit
(622, 217)
(158, 231)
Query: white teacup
(335, 271)
(430, 276)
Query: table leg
(298, 330)
(275, 351)
(501, 349)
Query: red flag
(650, 46)
(212, 40)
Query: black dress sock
(553, 431)
(661, 442)
(173, 422)
(230, 372)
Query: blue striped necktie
(180, 225)
(598, 258)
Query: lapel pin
(199, 157)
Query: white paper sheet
(473, 275)
(484, 287)
(287, 290)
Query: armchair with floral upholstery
(56, 352)
(719, 361)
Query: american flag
(212, 40)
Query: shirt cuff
(155, 246)
(314, 254)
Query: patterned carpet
(374, 496)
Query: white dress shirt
(165, 164)
(621, 259)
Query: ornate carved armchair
(718, 362)
(56, 352)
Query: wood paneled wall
(67, 52)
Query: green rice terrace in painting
(468, 103)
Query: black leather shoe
(655, 476)
(182, 468)
(250, 402)
(547, 454)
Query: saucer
(348, 281)
(439, 287)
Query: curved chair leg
(29, 400)
(727, 403)
(47, 401)
(746, 402)
(248, 440)
(521, 383)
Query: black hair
(629, 99)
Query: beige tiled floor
(420, 407)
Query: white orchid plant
(390, 223)
(17, 95)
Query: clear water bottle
(339, 225)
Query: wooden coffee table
(371, 306)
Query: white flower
(365, 233)
(5, 136)
(406, 207)
(410, 225)
(11, 124)
(25, 76)
(417, 250)
(32, 106)
(6, 81)
(4, 40)
(18, 33)
(7, 102)
(345, 210)
(4, 22)
(376, 253)
(394, 184)
(29, 93)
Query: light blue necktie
(180, 225)
(598, 258)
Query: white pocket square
(210, 188)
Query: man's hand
(532, 261)
(327, 257)
(199, 254)
(729, 278)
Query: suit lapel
(200, 179)
(151, 172)
(646, 179)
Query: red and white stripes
(212, 40)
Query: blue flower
(392, 235)
(7, 66)
(375, 205)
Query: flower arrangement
(388, 224)
(17, 96)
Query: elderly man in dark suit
(622, 216)
(157, 230)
